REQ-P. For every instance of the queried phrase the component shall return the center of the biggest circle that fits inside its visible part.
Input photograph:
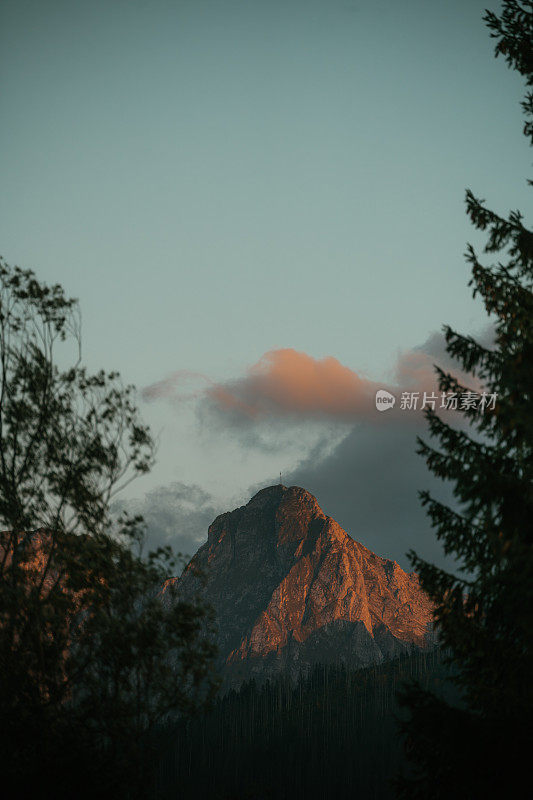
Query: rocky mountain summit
(291, 588)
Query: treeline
(332, 734)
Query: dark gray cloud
(366, 475)
(369, 481)
(369, 484)
(178, 515)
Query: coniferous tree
(484, 611)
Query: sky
(260, 206)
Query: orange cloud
(287, 382)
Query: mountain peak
(268, 495)
(278, 493)
(291, 588)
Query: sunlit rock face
(290, 588)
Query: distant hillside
(333, 734)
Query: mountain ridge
(291, 588)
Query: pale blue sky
(216, 179)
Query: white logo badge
(384, 400)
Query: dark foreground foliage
(91, 660)
(333, 734)
(484, 611)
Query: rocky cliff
(291, 588)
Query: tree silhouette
(484, 613)
(91, 660)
